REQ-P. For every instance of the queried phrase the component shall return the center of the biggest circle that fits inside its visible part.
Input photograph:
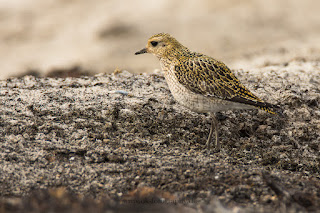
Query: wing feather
(209, 77)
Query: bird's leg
(214, 125)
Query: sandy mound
(102, 35)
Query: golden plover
(201, 83)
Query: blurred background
(44, 36)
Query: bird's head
(161, 45)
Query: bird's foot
(216, 148)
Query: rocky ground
(120, 142)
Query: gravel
(120, 142)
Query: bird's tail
(256, 102)
(270, 108)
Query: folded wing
(211, 78)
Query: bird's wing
(211, 78)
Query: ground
(120, 142)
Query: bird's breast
(187, 98)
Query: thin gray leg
(214, 126)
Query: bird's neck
(177, 53)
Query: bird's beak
(144, 50)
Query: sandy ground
(120, 142)
(100, 36)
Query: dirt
(119, 142)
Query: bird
(200, 82)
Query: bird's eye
(154, 43)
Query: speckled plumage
(200, 82)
